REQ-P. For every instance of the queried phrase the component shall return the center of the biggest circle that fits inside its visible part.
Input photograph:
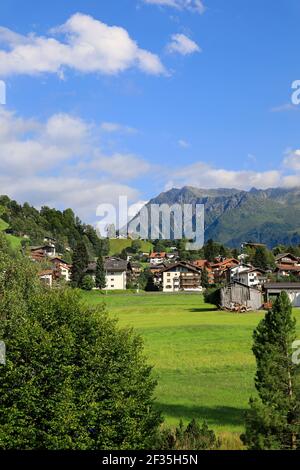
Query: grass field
(117, 245)
(202, 358)
(14, 241)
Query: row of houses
(117, 271)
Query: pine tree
(204, 279)
(100, 274)
(273, 419)
(80, 263)
(263, 259)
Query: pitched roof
(200, 263)
(158, 255)
(286, 255)
(287, 267)
(282, 285)
(115, 264)
(46, 272)
(183, 264)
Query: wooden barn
(238, 296)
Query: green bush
(193, 437)
(213, 296)
(72, 379)
(88, 283)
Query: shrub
(87, 283)
(213, 296)
(193, 437)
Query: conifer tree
(204, 279)
(100, 274)
(80, 263)
(273, 421)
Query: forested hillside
(31, 226)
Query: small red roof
(158, 255)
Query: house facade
(62, 268)
(181, 277)
(115, 273)
(157, 258)
(287, 265)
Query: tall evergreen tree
(80, 263)
(100, 274)
(263, 259)
(273, 419)
(211, 250)
(204, 278)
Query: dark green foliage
(64, 226)
(262, 259)
(273, 421)
(72, 379)
(100, 280)
(87, 283)
(150, 286)
(211, 250)
(212, 296)
(204, 278)
(80, 263)
(136, 246)
(193, 437)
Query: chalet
(273, 289)
(157, 258)
(115, 273)
(37, 254)
(42, 251)
(46, 277)
(203, 264)
(237, 296)
(249, 276)
(62, 268)
(221, 268)
(157, 268)
(287, 264)
(181, 276)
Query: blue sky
(187, 93)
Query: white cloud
(196, 6)
(60, 163)
(183, 143)
(113, 127)
(292, 160)
(203, 175)
(87, 46)
(120, 166)
(284, 108)
(181, 44)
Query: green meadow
(15, 242)
(202, 358)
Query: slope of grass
(202, 358)
(3, 225)
(15, 242)
(117, 245)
